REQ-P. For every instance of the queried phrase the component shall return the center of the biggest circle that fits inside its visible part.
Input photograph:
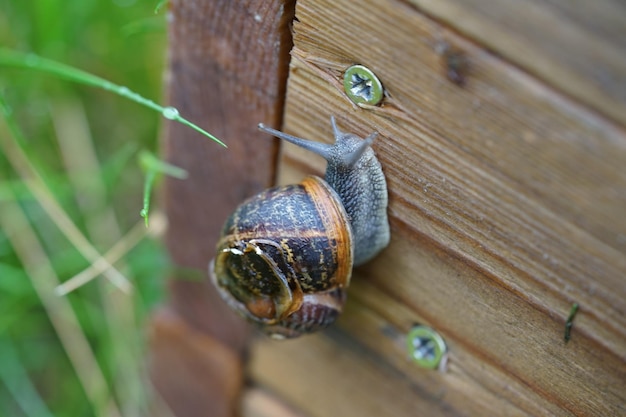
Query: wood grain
(507, 205)
(228, 84)
(258, 402)
(578, 48)
(193, 371)
(227, 73)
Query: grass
(32, 61)
(70, 200)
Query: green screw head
(362, 85)
(425, 346)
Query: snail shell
(285, 251)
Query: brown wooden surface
(195, 373)
(577, 47)
(227, 69)
(258, 402)
(507, 205)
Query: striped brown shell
(285, 258)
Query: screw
(362, 85)
(426, 347)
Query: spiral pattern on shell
(285, 258)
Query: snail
(285, 256)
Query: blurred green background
(82, 354)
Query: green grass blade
(12, 147)
(17, 381)
(152, 166)
(159, 5)
(31, 61)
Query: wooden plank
(227, 72)
(228, 85)
(364, 369)
(507, 205)
(326, 375)
(258, 402)
(193, 371)
(579, 48)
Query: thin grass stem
(35, 183)
(31, 61)
(18, 383)
(38, 267)
(153, 166)
(121, 248)
(85, 174)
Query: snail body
(285, 256)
